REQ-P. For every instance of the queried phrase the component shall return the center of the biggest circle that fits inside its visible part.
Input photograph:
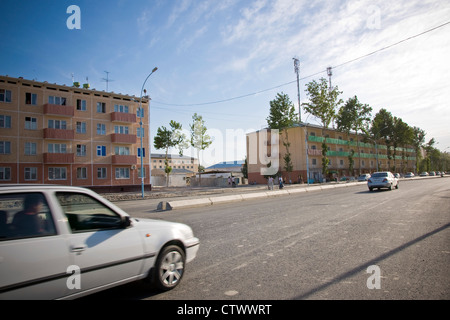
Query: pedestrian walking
(270, 183)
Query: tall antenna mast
(297, 71)
(107, 80)
(330, 73)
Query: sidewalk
(168, 198)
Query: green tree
(282, 116)
(430, 151)
(353, 115)
(382, 127)
(417, 142)
(402, 135)
(244, 168)
(169, 138)
(323, 103)
(199, 138)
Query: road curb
(208, 201)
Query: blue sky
(211, 51)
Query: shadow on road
(374, 261)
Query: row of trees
(352, 116)
(173, 137)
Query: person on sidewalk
(281, 183)
(270, 183)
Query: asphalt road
(330, 244)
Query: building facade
(306, 155)
(180, 164)
(56, 134)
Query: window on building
(120, 108)
(81, 150)
(139, 131)
(82, 173)
(81, 127)
(101, 151)
(5, 95)
(139, 172)
(30, 148)
(31, 98)
(140, 112)
(57, 124)
(122, 173)
(30, 173)
(57, 173)
(81, 105)
(30, 123)
(102, 173)
(5, 173)
(5, 147)
(61, 101)
(139, 152)
(121, 129)
(122, 151)
(101, 129)
(5, 121)
(101, 107)
(57, 148)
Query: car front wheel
(169, 267)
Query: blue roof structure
(227, 165)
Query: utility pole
(297, 71)
(330, 73)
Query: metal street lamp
(140, 133)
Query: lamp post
(140, 133)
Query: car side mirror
(126, 222)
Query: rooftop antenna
(107, 80)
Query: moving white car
(364, 177)
(384, 179)
(60, 242)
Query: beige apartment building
(71, 135)
(306, 155)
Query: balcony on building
(123, 138)
(59, 158)
(123, 117)
(59, 134)
(59, 110)
(124, 159)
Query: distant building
(226, 166)
(183, 168)
(306, 155)
(71, 135)
(179, 164)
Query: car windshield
(379, 175)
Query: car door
(33, 264)
(103, 249)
